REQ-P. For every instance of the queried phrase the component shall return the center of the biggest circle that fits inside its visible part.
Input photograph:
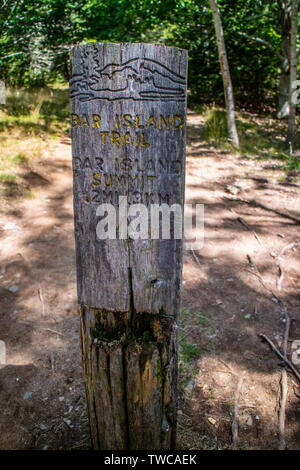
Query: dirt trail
(42, 398)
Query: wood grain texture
(128, 110)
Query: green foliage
(7, 178)
(189, 322)
(190, 316)
(262, 137)
(186, 371)
(216, 128)
(30, 117)
(21, 159)
(36, 110)
(36, 37)
(188, 351)
(293, 165)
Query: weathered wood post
(128, 104)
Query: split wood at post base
(128, 111)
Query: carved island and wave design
(138, 79)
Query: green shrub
(216, 129)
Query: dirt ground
(232, 284)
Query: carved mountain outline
(138, 79)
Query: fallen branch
(282, 214)
(288, 363)
(251, 262)
(196, 258)
(279, 280)
(286, 331)
(42, 300)
(259, 276)
(245, 224)
(287, 247)
(53, 331)
(283, 386)
(229, 368)
(296, 392)
(281, 417)
(263, 206)
(235, 422)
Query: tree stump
(128, 111)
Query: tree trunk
(284, 80)
(283, 99)
(225, 74)
(128, 106)
(293, 75)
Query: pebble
(191, 384)
(27, 395)
(11, 226)
(13, 289)
(212, 421)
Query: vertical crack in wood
(95, 435)
(93, 422)
(124, 364)
(131, 296)
(148, 366)
(125, 397)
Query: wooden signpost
(128, 112)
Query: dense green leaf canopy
(36, 37)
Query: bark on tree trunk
(293, 75)
(283, 98)
(229, 99)
(284, 81)
(284, 84)
(128, 105)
